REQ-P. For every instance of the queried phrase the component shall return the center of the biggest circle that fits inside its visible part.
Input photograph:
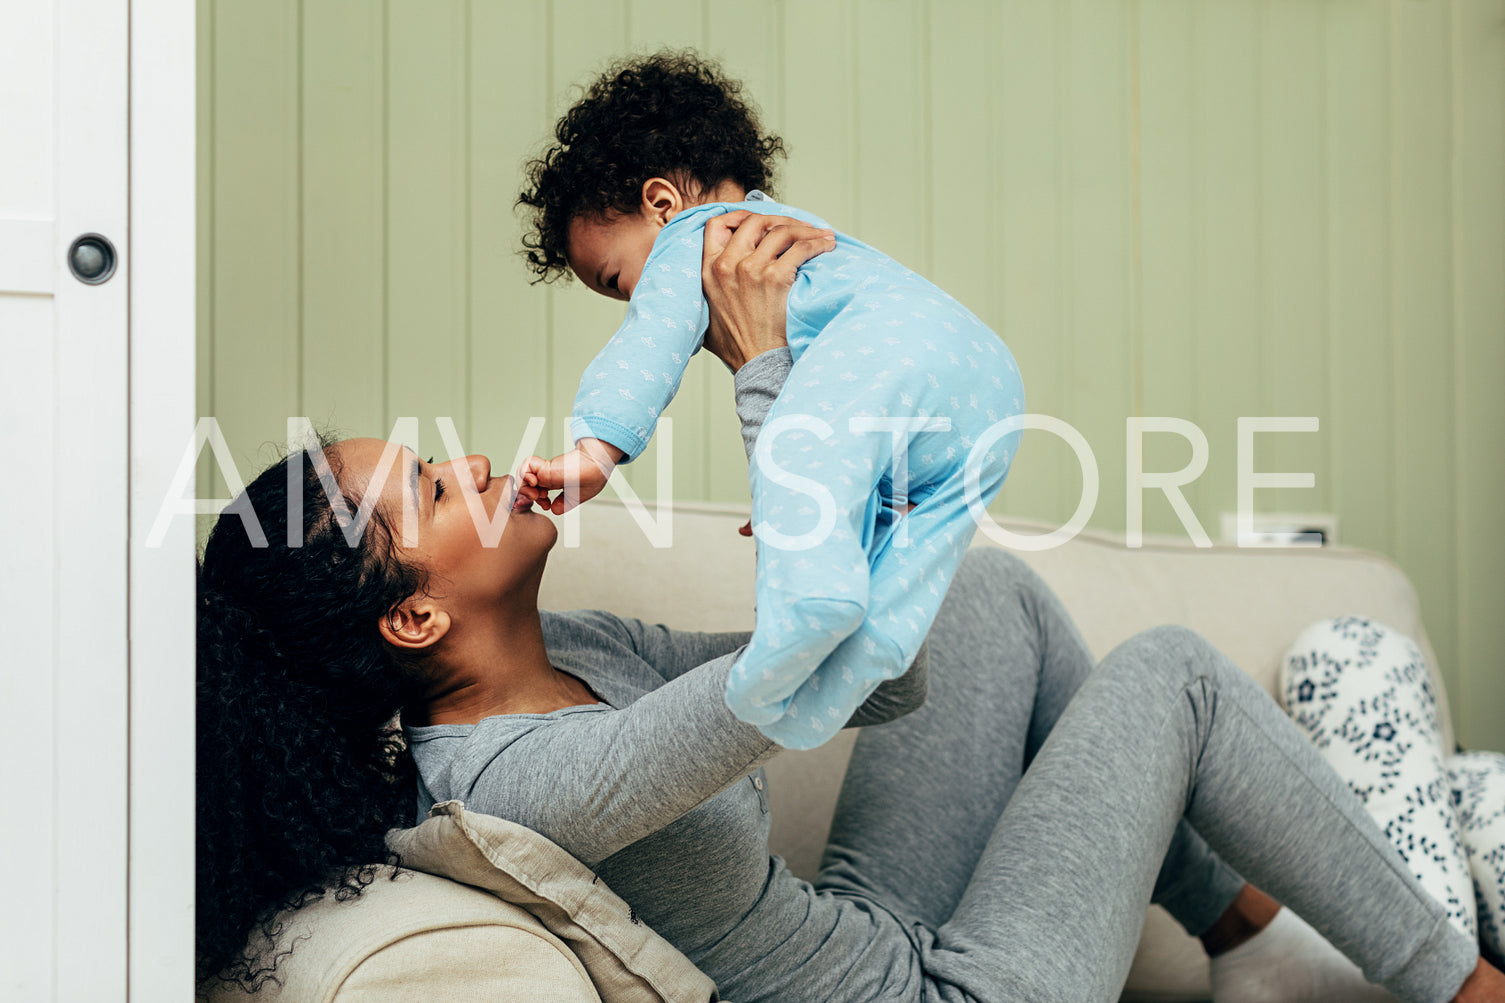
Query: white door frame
(163, 79)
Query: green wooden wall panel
(1101, 334)
(428, 221)
(959, 194)
(1226, 267)
(1421, 283)
(255, 278)
(1479, 295)
(1293, 355)
(818, 115)
(1165, 246)
(1026, 225)
(343, 224)
(511, 110)
(890, 76)
(1252, 207)
(657, 24)
(1360, 432)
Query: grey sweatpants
(1024, 817)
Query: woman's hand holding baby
(748, 266)
(578, 475)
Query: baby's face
(608, 254)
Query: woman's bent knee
(993, 571)
(1169, 653)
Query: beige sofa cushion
(627, 961)
(419, 938)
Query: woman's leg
(1167, 727)
(923, 794)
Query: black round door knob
(91, 259)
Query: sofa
(426, 936)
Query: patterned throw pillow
(1362, 693)
(1478, 781)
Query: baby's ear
(662, 200)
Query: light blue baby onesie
(890, 373)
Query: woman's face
(442, 536)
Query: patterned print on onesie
(1362, 693)
(1478, 781)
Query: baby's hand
(578, 475)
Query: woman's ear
(414, 625)
(662, 200)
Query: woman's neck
(499, 666)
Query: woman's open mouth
(512, 499)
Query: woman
(948, 876)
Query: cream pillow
(627, 961)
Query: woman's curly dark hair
(301, 769)
(672, 114)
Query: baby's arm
(627, 386)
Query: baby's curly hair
(672, 114)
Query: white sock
(1289, 962)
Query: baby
(894, 389)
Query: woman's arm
(757, 384)
(595, 781)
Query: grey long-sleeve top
(659, 789)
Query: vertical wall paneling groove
(426, 217)
(1359, 428)
(818, 114)
(464, 268)
(1099, 332)
(1252, 207)
(204, 481)
(1163, 240)
(343, 215)
(255, 189)
(386, 200)
(1479, 316)
(1292, 270)
(1422, 260)
(509, 344)
(959, 191)
(1024, 171)
(1227, 384)
(889, 180)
